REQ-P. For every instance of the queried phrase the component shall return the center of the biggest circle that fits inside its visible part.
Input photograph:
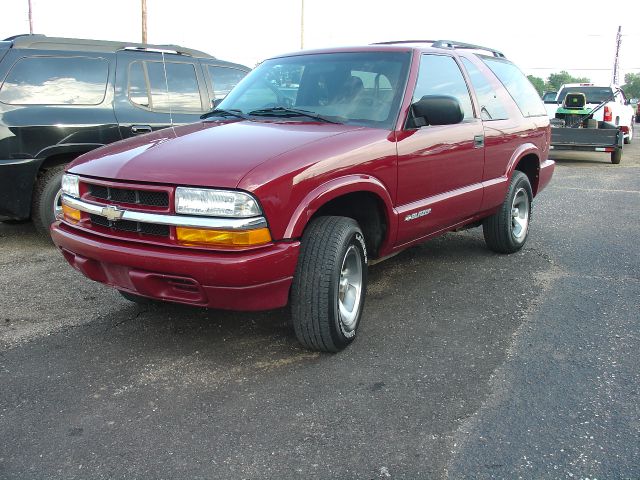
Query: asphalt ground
(468, 364)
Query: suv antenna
(166, 84)
(616, 61)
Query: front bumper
(236, 280)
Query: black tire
(503, 233)
(44, 196)
(629, 138)
(328, 244)
(616, 156)
(140, 300)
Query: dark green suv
(61, 97)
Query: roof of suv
(404, 45)
(43, 42)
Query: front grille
(124, 195)
(129, 226)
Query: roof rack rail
(470, 46)
(447, 44)
(157, 50)
(393, 42)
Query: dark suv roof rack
(59, 43)
(448, 44)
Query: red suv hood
(202, 154)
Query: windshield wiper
(290, 112)
(219, 112)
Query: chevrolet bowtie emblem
(112, 213)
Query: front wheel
(330, 284)
(506, 231)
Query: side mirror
(437, 110)
(216, 102)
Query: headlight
(71, 185)
(215, 203)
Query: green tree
(538, 83)
(556, 80)
(631, 85)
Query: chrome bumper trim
(171, 220)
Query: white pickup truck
(616, 111)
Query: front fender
(335, 188)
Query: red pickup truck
(317, 163)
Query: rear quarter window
(491, 107)
(56, 81)
(518, 86)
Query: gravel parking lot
(468, 365)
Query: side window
(518, 86)
(138, 88)
(440, 75)
(491, 107)
(56, 81)
(179, 92)
(223, 79)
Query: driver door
(439, 167)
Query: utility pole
(30, 19)
(616, 61)
(144, 21)
(302, 25)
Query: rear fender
(520, 152)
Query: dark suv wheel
(46, 199)
(330, 284)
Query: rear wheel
(506, 231)
(616, 156)
(46, 202)
(330, 284)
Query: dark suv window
(178, 92)
(56, 81)
(518, 86)
(491, 107)
(223, 79)
(440, 75)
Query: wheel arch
(60, 154)
(526, 159)
(361, 197)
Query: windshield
(352, 88)
(593, 94)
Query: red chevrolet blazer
(315, 164)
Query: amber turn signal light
(222, 238)
(70, 214)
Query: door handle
(139, 129)
(478, 141)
